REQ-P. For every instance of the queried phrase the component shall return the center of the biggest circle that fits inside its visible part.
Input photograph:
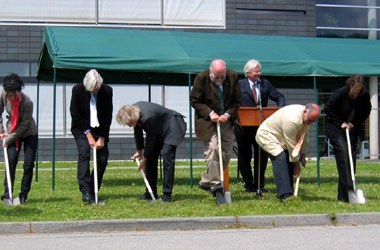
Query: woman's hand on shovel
(142, 165)
(137, 157)
(2, 136)
(91, 140)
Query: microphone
(259, 95)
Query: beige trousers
(211, 153)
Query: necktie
(297, 148)
(254, 92)
(93, 112)
(220, 93)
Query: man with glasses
(285, 137)
(216, 98)
(255, 93)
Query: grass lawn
(121, 187)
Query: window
(115, 13)
(346, 18)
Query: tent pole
(54, 104)
(37, 116)
(373, 91)
(190, 136)
(316, 132)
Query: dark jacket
(160, 124)
(204, 98)
(338, 109)
(267, 90)
(80, 111)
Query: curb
(193, 223)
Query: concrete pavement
(191, 223)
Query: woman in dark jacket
(348, 107)
(21, 129)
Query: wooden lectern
(250, 116)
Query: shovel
(297, 185)
(354, 196)
(220, 196)
(298, 182)
(146, 182)
(10, 201)
(97, 202)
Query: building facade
(20, 45)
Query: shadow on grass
(123, 182)
(20, 211)
(315, 198)
(53, 199)
(236, 186)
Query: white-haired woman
(91, 116)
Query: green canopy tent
(127, 56)
(173, 58)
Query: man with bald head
(285, 137)
(216, 98)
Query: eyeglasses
(218, 77)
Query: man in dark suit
(255, 92)
(165, 130)
(216, 98)
(91, 117)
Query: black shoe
(5, 196)
(23, 200)
(216, 188)
(343, 199)
(147, 196)
(250, 190)
(167, 198)
(207, 189)
(284, 197)
(86, 197)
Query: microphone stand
(258, 190)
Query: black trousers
(343, 164)
(30, 147)
(283, 171)
(85, 179)
(168, 153)
(245, 143)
